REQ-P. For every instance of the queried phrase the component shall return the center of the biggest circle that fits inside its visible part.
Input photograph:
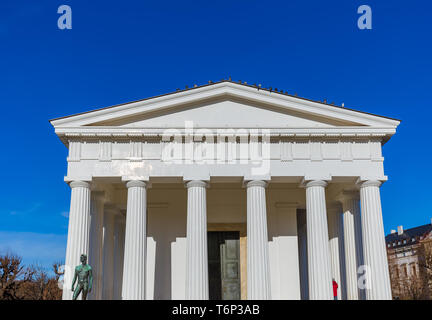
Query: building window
(388, 246)
(413, 239)
(399, 243)
(394, 243)
(404, 241)
(414, 271)
(405, 270)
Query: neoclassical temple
(227, 191)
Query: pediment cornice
(225, 89)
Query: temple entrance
(224, 265)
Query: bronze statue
(85, 279)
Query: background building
(409, 259)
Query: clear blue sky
(118, 51)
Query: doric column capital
(369, 183)
(197, 183)
(314, 183)
(79, 183)
(136, 183)
(256, 183)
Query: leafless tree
(31, 283)
(13, 276)
(425, 264)
(413, 288)
(57, 272)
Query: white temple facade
(227, 191)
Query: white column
(319, 268)
(374, 249)
(108, 252)
(333, 217)
(78, 231)
(95, 258)
(196, 243)
(119, 225)
(134, 268)
(350, 207)
(258, 269)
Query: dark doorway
(224, 265)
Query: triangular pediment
(225, 112)
(222, 105)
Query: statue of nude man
(85, 279)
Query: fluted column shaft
(350, 210)
(196, 247)
(119, 239)
(78, 231)
(134, 268)
(319, 267)
(334, 220)
(374, 249)
(258, 269)
(95, 258)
